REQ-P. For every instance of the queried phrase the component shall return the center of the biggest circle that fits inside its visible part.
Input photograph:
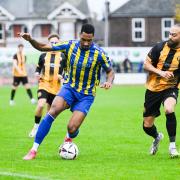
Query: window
(1, 33)
(166, 24)
(138, 29)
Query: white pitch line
(22, 176)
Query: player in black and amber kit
(20, 75)
(49, 73)
(163, 65)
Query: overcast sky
(98, 6)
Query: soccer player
(84, 62)
(20, 75)
(49, 73)
(163, 65)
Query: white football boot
(155, 144)
(11, 103)
(33, 101)
(173, 152)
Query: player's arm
(151, 62)
(37, 45)
(40, 66)
(62, 67)
(110, 78)
(106, 65)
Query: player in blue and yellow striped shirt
(84, 62)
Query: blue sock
(73, 135)
(44, 128)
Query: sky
(98, 6)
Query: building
(40, 18)
(140, 23)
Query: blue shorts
(77, 101)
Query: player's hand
(166, 74)
(106, 85)
(26, 36)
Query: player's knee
(54, 111)
(40, 107)
(147, 123)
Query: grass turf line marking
(22, 176)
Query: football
(68, 150)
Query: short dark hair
(20, 45)
(88, 28)
(52, 36)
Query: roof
(146, 8)
(39, 8)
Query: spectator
(127, 65)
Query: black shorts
(153, 101)
(18, 80)
(43, 94)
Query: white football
(68, 150)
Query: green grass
(112, 143)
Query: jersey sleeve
(62, 46)
(15, 57)
(154, 53)
(40, 63)
(105, 62)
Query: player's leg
(151, 110)
(13, 90)
(42, 96)
(50, 98)
(80, 108)
(171, 123)
(59, 104)
(28, 90)
(73, 126)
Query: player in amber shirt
(20, 75)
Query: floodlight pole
(106, 24)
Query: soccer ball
(68, 150)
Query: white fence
(130, 78)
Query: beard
(172, 44)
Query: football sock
(171, 126)
(13, 91)
(172, 145)
(35, 146)
(44, 128)
(151, 131)
(37, 119)
(29, 92)
(73, 135)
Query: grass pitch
(111, 142)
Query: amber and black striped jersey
(166, 59)
(83, 66)
(50, 66)
(21, 60)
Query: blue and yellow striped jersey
(83, 66)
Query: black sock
(29, 92)
(171, 126)
(37, 119)
(151, 131)
(13, 91)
